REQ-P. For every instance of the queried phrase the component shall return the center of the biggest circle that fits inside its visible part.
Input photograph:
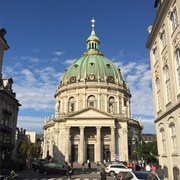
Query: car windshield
(127, 176)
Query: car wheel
(112, 173)
(45, 172)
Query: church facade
(92, 112)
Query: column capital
(98, 127)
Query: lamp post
(134, 146)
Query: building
(149, 138)
(164, 46)
(92, 113)
(9, 107)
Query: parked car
(35, 164)
(52, 167)
(119, 162)
(137, 175)
(114, 169)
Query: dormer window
(108, 65)
(76, 65)
(92, 64)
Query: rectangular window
(155, 55)
(91, 104)
(163, 142)
(174, 20)
(163, 40)
(173, 138)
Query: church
(92, 118)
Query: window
(158, 93)
(175, 173)
(178, 66)
(173, 138)
(163, 141)
(111, 105)
(174, 19)
(91, 104)
(155, 55)
(91, 101)
(163, 39)
(71, 104)
(167, 84)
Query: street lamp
(134, 146)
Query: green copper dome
(92, 66)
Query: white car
(114, 169)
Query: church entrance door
(74, 153)
(106, 153)
(90, 152)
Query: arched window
(175, 173)
(167, 84)
(71, 104)
(165, 171)
(173, 138)
(111, 105)
(91, 101)
(163, 141)
(178, 66)
(158, 94)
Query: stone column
(113, 151)
(98, 144)
(81, 145)
(67, 144)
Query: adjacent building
(92, 118)
(164, 46)
(9, 107)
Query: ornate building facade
(92, 112)
(9, 107)
(164, 46)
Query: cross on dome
(93, 21)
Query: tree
(148, 151)
(29, 150)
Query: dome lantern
(93, 42)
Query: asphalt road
(93, 174)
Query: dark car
(137, 175)
(52, 167)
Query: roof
(92, 65)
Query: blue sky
(46, 36)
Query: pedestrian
(89, 165)
(160, 172)
(68, 171)
(148, 167)
(153, 168)
(83, 166)
(103, 174)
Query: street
(93, 174)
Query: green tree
(148, 151)
(29, 151)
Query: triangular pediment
(90, 112)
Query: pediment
(90, 112)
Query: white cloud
(149, 126)
(58, 53)
(138, 78)
(69, 61)
(33, 124)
